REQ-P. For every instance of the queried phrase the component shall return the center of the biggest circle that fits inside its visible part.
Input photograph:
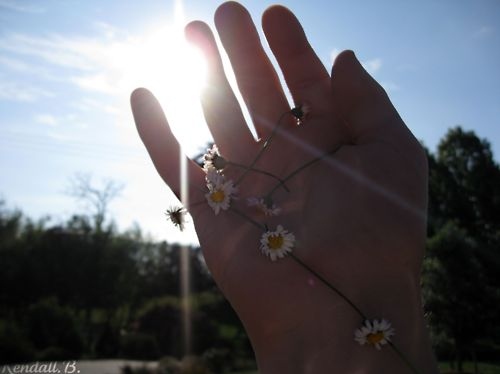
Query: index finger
(162, 146)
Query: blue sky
(67, 68)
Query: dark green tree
(462, 268)
(465, 184)
(456, 292)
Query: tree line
(82, 289)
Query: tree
(95, 199)
(462, 268)
(456, 293)
(465, 184)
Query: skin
(358, 214)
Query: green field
(444, 367)
(483, 368)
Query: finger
(304, 73)
(220, 106)
(257, 80)
(162, 146)
(362, 102)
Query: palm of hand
(341, 209)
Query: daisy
(213, 177)
(375, 333)
(213, 159)
(265, 205)
(276, 244)
(177, 216)
(220, 194)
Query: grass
(444, 368)
(483, 368)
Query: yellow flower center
(275, 241)
(218, 196)
(375, 338)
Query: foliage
(461, 277)
(76, 289)
(452, 277)
(53, 331)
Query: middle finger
(256, 77)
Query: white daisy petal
(213, 160)
(220, 194)
(264, 205)
(213, 177)
(277, 244)
(375, 333)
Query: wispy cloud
(88, 105)
(373, 65)
(100, 64)
(111, 64)
(17, 65)
(14, 91)
(333, 54)
(46, 119)
(54, 49)
(390, 86)
(20, 6)
(483, 31)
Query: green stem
(403, 358)
(264, 146)
(326, 283)
(256, 170)
(302, 167)
(253, 222)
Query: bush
(218, 360)
(53, 331)
(139, 346)
(14, 346)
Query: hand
(357, 213)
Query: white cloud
(483, 31)
(373, 65)
(88, 105)
(20, 6)
(333, 54)
(113, 63)
(390, 86)
(46, 119)
(55, 49)
(14, 64)
(19, 66)
(100, 82)
(14, 91)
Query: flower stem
(331, 287)
(302, 167)
(281, 181)
(253, 222)
(404, 358)
(264, 146)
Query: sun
(175, 72)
